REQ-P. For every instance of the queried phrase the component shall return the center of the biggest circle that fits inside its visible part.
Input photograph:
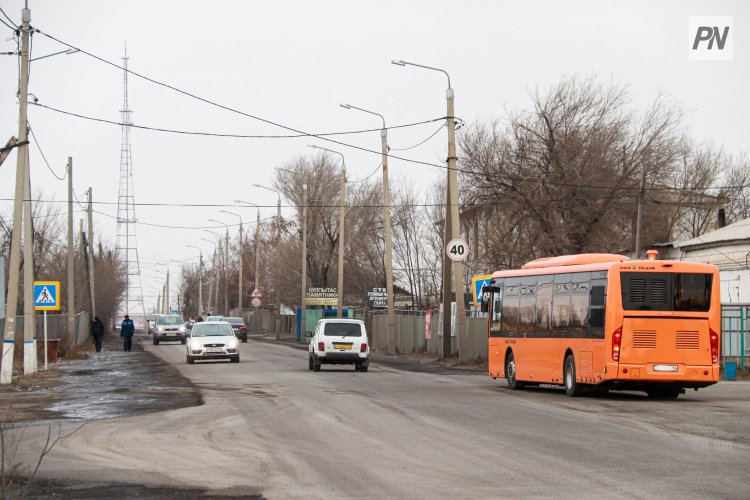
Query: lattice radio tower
(127, 246)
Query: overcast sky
(293, 62)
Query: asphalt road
(270, 427)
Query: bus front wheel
(510, 372)
(572, 388)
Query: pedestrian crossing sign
(47, 295)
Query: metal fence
(57, 329)
(735, 345)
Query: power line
(6, 17)
(235, 136)
(44, 157)
(420, 143)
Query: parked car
(170, 328)
(239, 327)
(339, 341)
(212, 340)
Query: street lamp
(257, 242)
(390, 317)
(452, 227)
(303, 306)
(200, 280)
(342, 201)
(226, 263)
(211, 289)
(166, 305)
(278, 208)
(242, 245)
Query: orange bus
(606, 322)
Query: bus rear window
(666, 291)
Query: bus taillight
(714, 346)
(616, 341)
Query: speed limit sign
(457, 249)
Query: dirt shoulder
(108, 384)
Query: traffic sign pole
(46, 366)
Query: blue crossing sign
(47, 295)
(477, 282)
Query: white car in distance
(339, 341)
(212, 340)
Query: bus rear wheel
(572, 388)
(510, 372)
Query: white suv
(339, 341)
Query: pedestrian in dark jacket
(127, 329)
(97, 331)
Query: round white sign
(255, 302)
(457, 249)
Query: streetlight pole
(166, 306)
(390, 316)
(212, 289)
(226, 263)
(257, 242)
(222, 255)
(278, 208)
(242, 245)
(200, 280)
(452, 228)
(342, 202)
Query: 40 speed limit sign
(457, 249)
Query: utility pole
(303, 306)
(447, 280)
(71, 258)
(92, 281)
(639, 217)
(342, 201)
(458, 266)
(200, 284)
(390, 315)
(166, 294)
(226, 277)
(239, 296)
(257, 249)
(28, 351)
(6, 369)
(159, 310)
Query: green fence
(734, 334)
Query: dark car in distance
(239, 327)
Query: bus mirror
(485, 299)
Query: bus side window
(597, 305)
(580, 285)
(544, 305)
(511, 296)
(561, 304)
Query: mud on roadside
(108, 384)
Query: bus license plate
(665, 368)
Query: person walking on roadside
(97, 331)
(127, 329)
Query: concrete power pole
(257, 249)
(71, 310)
(28, 351)
(342, 202)
(226, 277)
(639, 217)
(92, 281)
(6, 369)
(303, 306)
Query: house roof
(739, 232)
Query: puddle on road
(117, 384)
